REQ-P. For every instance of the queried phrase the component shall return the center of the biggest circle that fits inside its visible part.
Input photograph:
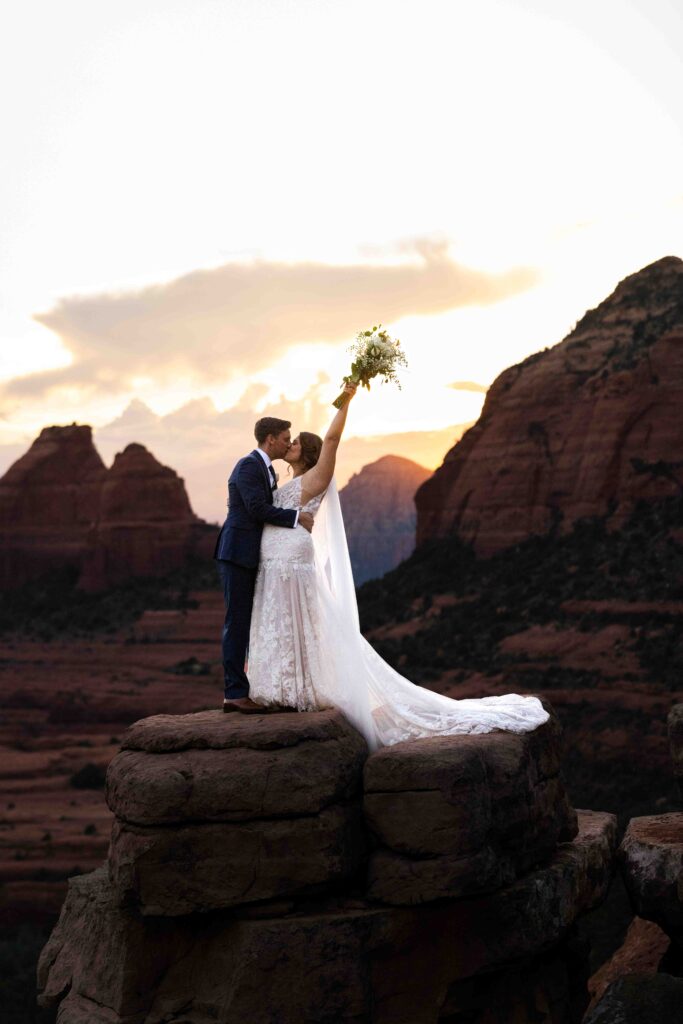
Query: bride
(306, 650)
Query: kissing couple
(290, 603)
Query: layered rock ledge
(464, 814)
(252, 876)
(213, 811)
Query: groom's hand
(306, 520)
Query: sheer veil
(384, 706)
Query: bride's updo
(311, 446)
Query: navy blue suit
(250, 505)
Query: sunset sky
(203, 200)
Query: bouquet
(375, 355)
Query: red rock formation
(585, 428)
(145, 522)
(48, 500)
(60, 508)
(240, 843)
(379, 514)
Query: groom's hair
(269, 425)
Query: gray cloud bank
(214, 324)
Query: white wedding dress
(306, 650)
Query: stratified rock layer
(379, 515)
(463, 814)
(586, 428)
(214, 811)
(651, 861)
(237, 880)
(336, 959)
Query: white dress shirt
(266, 458)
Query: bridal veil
(383, 706)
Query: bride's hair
(311, 446)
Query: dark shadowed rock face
(49, 498)
(675, 725)
(582, 429)
(56, 483)
(333, 959)
(145, 525)
(259, 820)
(138, 488)
(61, 509)
(379, 515)
(640, 999)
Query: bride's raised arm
(317, 479)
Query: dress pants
(238, 593)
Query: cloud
(469, 385)
(202, 444)
(212, 325)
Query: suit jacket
(250, 505)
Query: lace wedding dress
(306, 650)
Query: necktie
(272, 477)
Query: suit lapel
(264, 470)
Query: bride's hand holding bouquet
(375, 355)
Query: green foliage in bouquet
(375, 355)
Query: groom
(250, 505)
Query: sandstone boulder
(217, 810)
(463, 814)
(651, 861)
(644, 947)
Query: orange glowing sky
(205, 199)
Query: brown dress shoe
(245, 706)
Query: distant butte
(61, 509)
(379, 514)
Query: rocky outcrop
(651, 856)
(62, 509)
(644, 947)
(379, 515)
(290, 936)
(651, 860)
(586, 428)
(209, 817)
(640, 999)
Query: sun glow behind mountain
(206, 201)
